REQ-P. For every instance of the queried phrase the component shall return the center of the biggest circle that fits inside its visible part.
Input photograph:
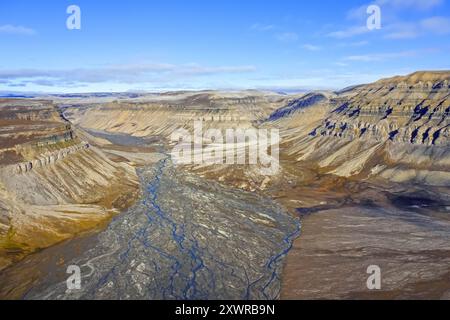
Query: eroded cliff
(395, 128)
(52, 185)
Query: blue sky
(224, 44)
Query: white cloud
(262, 27)
(429, 26)
(402, 31)
(436, 25)
(341, 64)
(311, 47)
(360, 13)
(411, 4)
(17, 30)
(322, 79)
(196, 70)
(406, 34)
(124, 73)
(287, 37)
(354, 44)
(349, 32)
(393, 27)
(380, 56)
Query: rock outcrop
(395, 128)
(45, 159)
(398, 110)
(161, 115)
(52, 185)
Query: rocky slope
(396, 129)
(160, 115)
(52, 184)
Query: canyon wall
(52, 185)
(162, 114)
(396, 129)
(46, 159)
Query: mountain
(396, 128)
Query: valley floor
(331, 258)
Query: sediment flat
(410, 244)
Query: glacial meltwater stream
(186, 238)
